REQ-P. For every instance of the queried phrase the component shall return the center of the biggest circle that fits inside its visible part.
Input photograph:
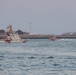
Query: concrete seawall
(40, 36)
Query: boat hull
(8, 41)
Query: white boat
(12, 36)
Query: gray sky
(39, 16)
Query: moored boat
(53, 38)
(11, 36)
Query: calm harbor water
(38, 57)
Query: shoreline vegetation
(23, 35)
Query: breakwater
(40, 36)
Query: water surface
(38, 57)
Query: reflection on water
(38, 57)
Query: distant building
(2, 32)
(69, 34)
(21, 32)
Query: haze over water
(41, 16)
(38, 57)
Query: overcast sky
(39, 16)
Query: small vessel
(11, 36)
(24, 40)
(53, 38)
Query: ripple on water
(32, 57)
(50, 57)
(2, 57)
(38, 57)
